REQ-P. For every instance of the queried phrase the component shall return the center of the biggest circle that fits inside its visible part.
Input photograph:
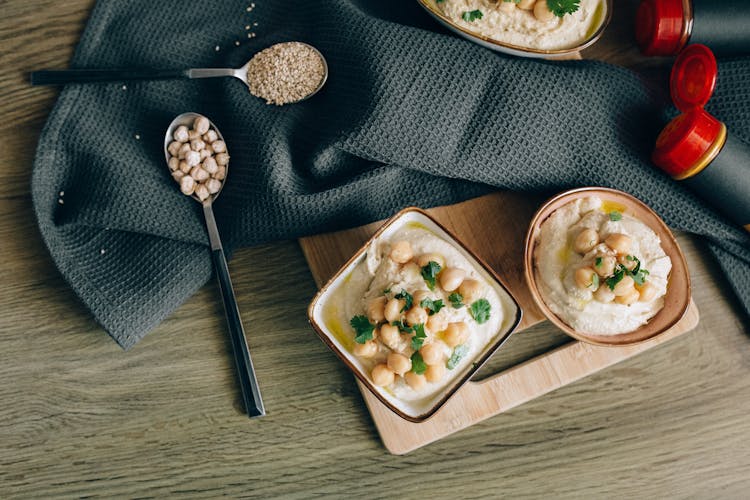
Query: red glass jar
(664, 27)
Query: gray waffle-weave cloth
(409, 116)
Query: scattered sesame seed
(61, 201)
(255, 24)
(216, 48)
(250, 35)
(124, 87)
(252, 5)
(285, 72)
(137, 137)
(247, 26)
(102, 251)
(249, 9)
(237, 42)
(62, 193)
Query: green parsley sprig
(363, 329)
(458, 353)
(432, 306)
(429, 273)
(562, 7)
(419, 337)
(480, 310)
(472, 15)
(457, 300)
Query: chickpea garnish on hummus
(600, 270)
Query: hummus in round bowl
(414, 314)
(525, 24)
(601, 271)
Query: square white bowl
(423, 409)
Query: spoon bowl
(187, 120)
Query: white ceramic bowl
(325, 299)
(517, 50)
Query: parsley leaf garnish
(362, 328)
(402, 327)
(595, 281)
(458, 353)
(640, 276)
(472, 15)
(386, 291)
(418, 365)
(430, 272)
(598, 262)
(432, 306)
(617, 277)
(562, 7)
(408, 299)
(614, 216)
(457, 300)
(480, 310)
(419, 335)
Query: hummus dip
(454, 335)
(507, 23)
(599, 270)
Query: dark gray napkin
(409, 117)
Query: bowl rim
(474, 367)
(517, 48)
(662, 231)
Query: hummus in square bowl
(414, 314)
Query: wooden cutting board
(494, 226)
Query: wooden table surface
(79, 417)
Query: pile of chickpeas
(615, 250)
(198, 159)
(385, 310)
(539, 7)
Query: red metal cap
(659, 26)
(685, 141)
(693, 77)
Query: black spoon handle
(61, 77)
(245, 370)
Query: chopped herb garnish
(419, 335)
(439, 1)
(472, 15)
(480, 310)
(418, 365)
(362, 328)
(432, 306)
(640, 276)
(595, 281)
(458, 353)
(408, 299)
(457, 300)
(430, 272)
(614, 216)
(598, 262)
(613, 280)
(386, 291)
(562, 7)
(402, 327)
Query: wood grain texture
(81, 418)
(499, 242)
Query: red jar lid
(659, 27)
(685, 141)
(693, 77)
